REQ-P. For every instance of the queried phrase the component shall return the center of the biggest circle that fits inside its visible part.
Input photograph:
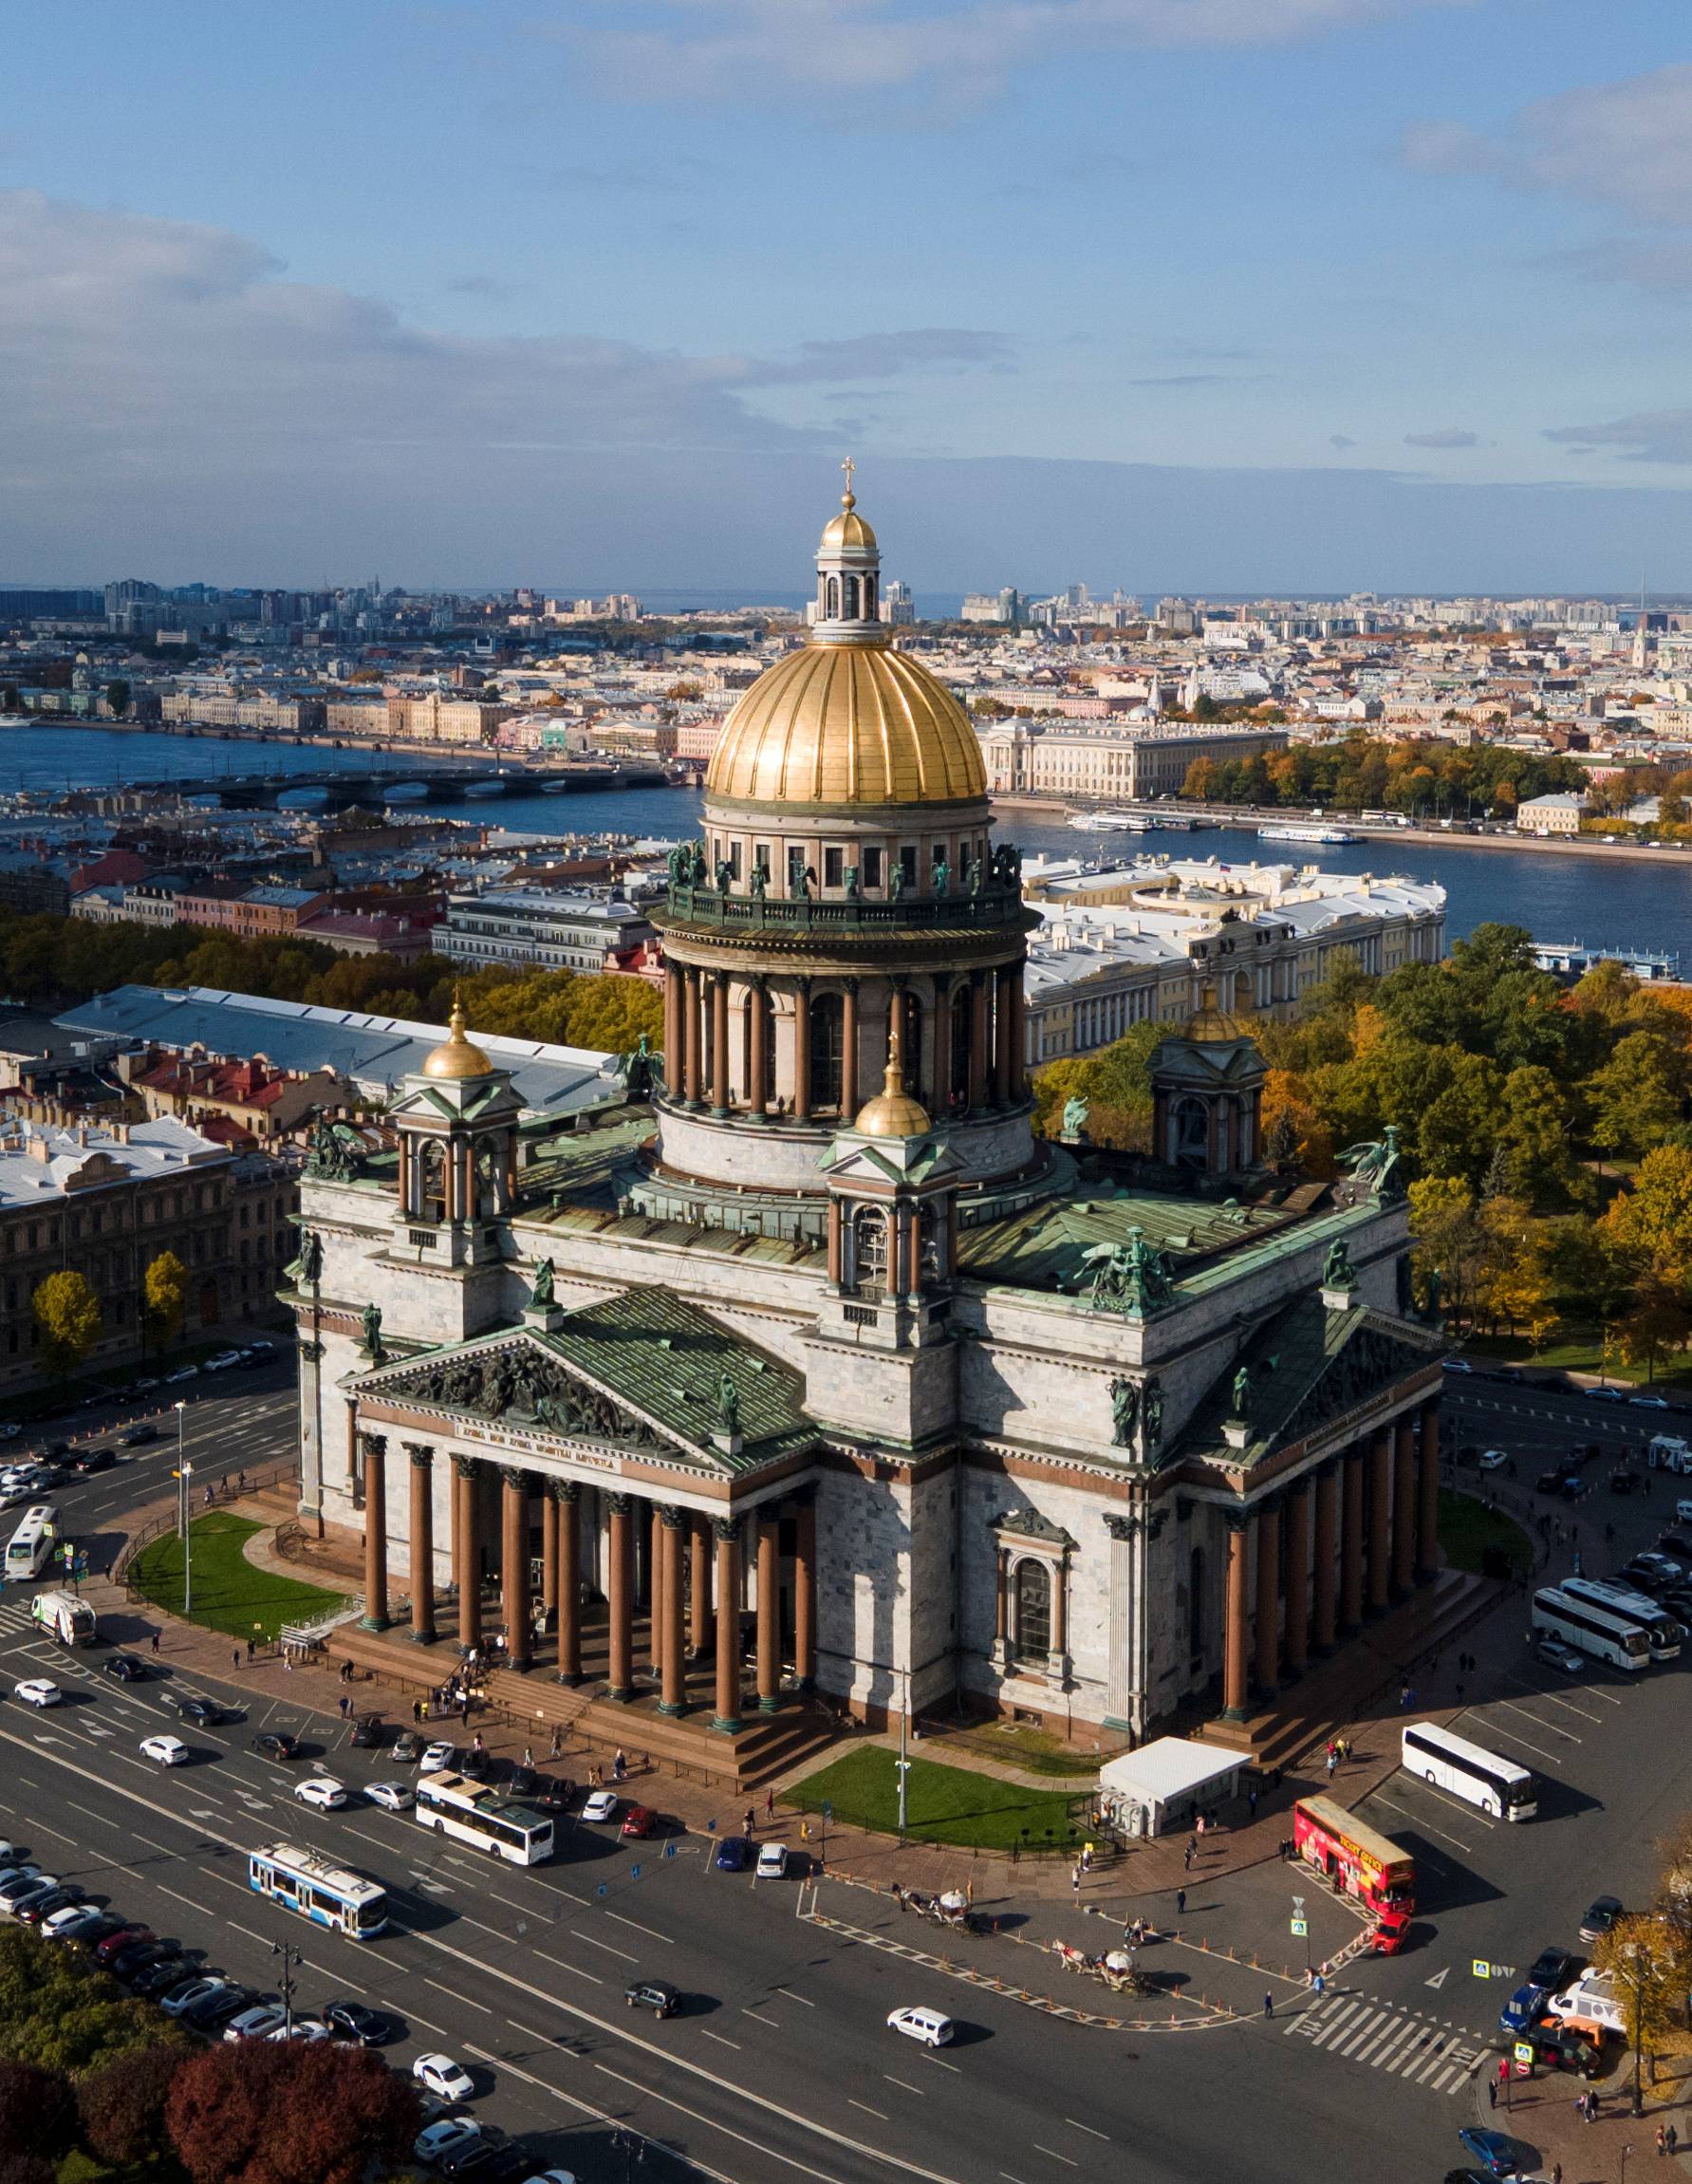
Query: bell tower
(1207, 1096)
(457, 1119)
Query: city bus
(1664, 1632)
(1344, 1849)
(328, 1894)
(30, 1545)
(1599, 1632)
(477, 1814)
(1497, 1785)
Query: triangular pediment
(515, 1380)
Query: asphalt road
(780, 2065)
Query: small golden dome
(1211, 1024)
(456, 1056)
(893, 1112)
(848, 530)
(847, 724)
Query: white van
(1683, 1512)
(1667, 1452)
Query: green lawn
(945, 1804)
(1467, 1529)
(229, 1593)
(1034, 1751)
(1572, 1347)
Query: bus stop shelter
(1166, 1783)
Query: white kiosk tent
(1163, 1785)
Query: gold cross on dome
(848, 466)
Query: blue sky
(1172, 294)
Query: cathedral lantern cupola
(1207, 1094)
(456, 1122)
(845, 900)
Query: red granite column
(1427, 1520)
(1351, 1542)
(567, 1495)
(769, 1611)
(467, 1573)
(422, 1541)
(513, 1571)
(621, 1681)
(672, 1651)
(693, 1038)
(698, 1583)
(979, 1037)
(549, 1555)
(1404, 1504)
(720, 1044)
(1268, 1596)
(1327, 1485)
(1297, 1522)
(805, 1592)
(849, 1102)
(1235, 1614)
(802, 1050)
(1379, 1513)
(376, 1533)
(727, 1718)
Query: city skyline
(1312, 295)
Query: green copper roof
(1041, 1247)
(1307, 1365)
(667, 1359)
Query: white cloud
(756, 48)
(1627, 144)
(1453, 435)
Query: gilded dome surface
(849, 530)
(456, 1056)
(1211, 1025)
(847, 724)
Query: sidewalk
(1541, 2114)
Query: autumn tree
(1450, 1240)
(37, 2111)
(1649, 1958)
(1634, 1097)
(164, 1290)
(122, 2103)
(67, 1312)
(280, 2113)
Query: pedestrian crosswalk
(14, 1617)
(1419, 2051)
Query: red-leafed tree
(37, 2112)
(122, 2105)
(276, 2113)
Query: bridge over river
(340, 788)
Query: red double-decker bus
(1371, 1867)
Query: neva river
(1606, 903)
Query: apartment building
(1109, 763)
(556, 931)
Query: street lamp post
(903, 1762)
(184, 1512)
(291, 1962)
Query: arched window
(1190, 1121)
(1196, 1602)
(962, 1025)
(834, 599)
(432, 1180)
(869, 1251)
(827, 1048)
(1033, 1608)
(487, 1182)
(870, 607)
(851, 599)
(910, 1026)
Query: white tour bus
(329, 1895)
(1497, 1785)
(1599, 1632)
(1663, 1633)
(30, 1545)
(475, 1813)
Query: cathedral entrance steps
(1364, 1676)
(593, 1725)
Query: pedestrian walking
(1674, 2137)
(1251, 1805)
(1661, 2142)
(1333, 1760)
(557, 1746)
(1181, 1903)
(250, 1649)
(768, 1804)
(464, 1709)
(528, 1755)
(1556, 2173)
(1492, 2093)
(1268, 2003)
(235, 1656)
(1186, 1860)
(751, 1821)
(1075, 1878)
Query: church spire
(847, 607)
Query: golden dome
(1211, 1025)
(847, 530)
(456, 1056)
(847, 724)
(893, 1112)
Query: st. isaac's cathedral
(806, 1378)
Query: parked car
(137, 1436)
(438, 2139)
(408, 1748)
(772, 1861)
(167, 1751)
(639, 1821)
(600, 1805)
(734, 1854)
(1556, 1655)
(392, 1797)
(655, 1994)
(1649, 1402)
(38, 1691)
(1623, 1481)
(437, 1758)
(1555, 1968)
(130, 1930)
(1605, 1396)
(194, 1987)
(1525, 2007)
(1602, 1914)
(61, 1898)
(439, 2074)
(475, 1764)
(93, 1461)
(323, 1791)
(1548, 1482)
(355, 2021)
(370, 1731)
(153, 1980)
(1494, 1460)
(73, 1922)
(275, 1744)
(206, 1713)
(255, 2023)
(521, 1782)
(1493, 2152)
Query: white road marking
(905, 2083)
(457, 1997)
(866, 2108)
(774, 2024)
(792, 1997)
(1088, 2128)
(720, 2040)
(575, 1969)
(638, 1928)
(605, 1945)
(1419, 1822)
(1054, 2155)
